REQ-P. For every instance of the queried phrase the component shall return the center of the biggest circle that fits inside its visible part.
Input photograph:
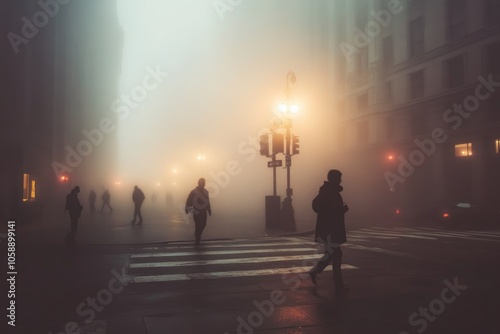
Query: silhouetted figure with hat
(92, 199)
(138, 197)
(74, 208)
(330, 227)
(106, 199)
(198, 202)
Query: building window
(492, 11)
(454, 72)
(33, 190)
(491, 63)
(388, 51)
(417, 45)
(26, 187)
(463, 150)
(417, 85)
(29, 188)
(497, 146)
(456, 17)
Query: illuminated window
(26, 185)
(33, 190)
(463, 150)
(29, 188)
(497, 146)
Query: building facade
(416, 92)
(52, 59)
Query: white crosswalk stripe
(223, 259)
(425, 233)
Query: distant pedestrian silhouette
(92, 198)
(106, 199)
(138, 197)
(330, 227)
(198, 202)
(74, 208)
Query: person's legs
(200, 221)
(320, 266)
(337, 270)
(139, 214)
(136, 212)
(70, 237)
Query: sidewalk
(160, 225)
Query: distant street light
(201, 158)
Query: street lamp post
(288, 109)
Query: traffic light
(264, 145)
(278, 143)
(295, 145)
(64, 178)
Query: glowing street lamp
(288, 110)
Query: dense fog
(220, 76)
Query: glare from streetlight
(283, 108)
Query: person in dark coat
(198, 202)
(92, 198)
(74, 208)
(106, 199)
(330, 227)
(138, 197)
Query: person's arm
(209, 208)
(189, 202)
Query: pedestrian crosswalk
(421, 233)
(182, 261)
(241, 258)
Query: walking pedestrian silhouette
(74, 208)
(198, 202)
(106, 199)
(138, 198)
(330, 228)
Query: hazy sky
(225, 80)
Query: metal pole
(274, 174)
(288, 159)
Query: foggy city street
(250, 166)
